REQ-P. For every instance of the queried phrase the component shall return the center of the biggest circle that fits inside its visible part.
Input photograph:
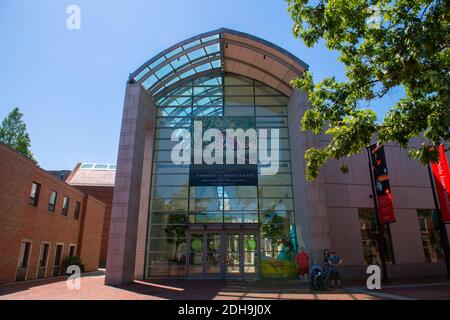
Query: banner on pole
(441, 177)
(382, 186)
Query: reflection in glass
(233, 249)
(196, 254)
(430, 235)
(213, 253)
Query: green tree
(273, 228)
(383, 45)
(13, 132)
(176, 231)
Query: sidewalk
(93, 288)
(434, 288)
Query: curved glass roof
(194, 57)
(201, 55)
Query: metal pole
(442, 228)
(378, 222)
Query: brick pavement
(93, 288)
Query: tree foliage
(383, 45)
(13, 132)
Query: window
(65, 206)
(34, 195)
(22, 264)
(57, 261)
(369, 238)
(52, 201)
(72, 248)
(430, 235)
(24, 254)
(44, 255)
(43, 258)
(76, 215)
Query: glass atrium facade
(229, 230)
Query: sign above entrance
(223, 175)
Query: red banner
(441, 176)
(382, 186)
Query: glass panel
(180, 61)
(271, 111)
(236, 80)
(170, 168)
(213, 37)
(212, 48)
(240, 191)
(150, 81)
(196, 254)
(208, 101)
(209, 217)
(239, 91)
(206, 192)
(174, 122)
(369, 238)
(283, 167)
(159, 204)
(168, 231)
(174, 245)
(166, 218)
(213, 253)
(265, 91)
(205, 204)
(166, 264)
(239, 111)
(233, 250)
(250, 253)
(207, 111)
(276, 204)
(271, 101)
(275, 192)
(430, 235)
(271, 122)
(199, 53)
(170, 180)
(240, 217)
(240, 204)
(169, 192)
(277, 179)
(230, 100)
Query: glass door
(233, 254)
(213, 263)
(250, 254)
(196, 254)
(241, 254)
(223, 254)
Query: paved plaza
(93, 288)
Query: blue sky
(70, 84)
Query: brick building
(97, 180)
(224, 221)
(42, 220)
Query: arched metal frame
(219, 50)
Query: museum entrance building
(223, 220)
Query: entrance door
(223, 254)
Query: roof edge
(218, 31)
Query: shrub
(72, 260)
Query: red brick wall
(91, 237)
(105, 195)
(20, 221)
